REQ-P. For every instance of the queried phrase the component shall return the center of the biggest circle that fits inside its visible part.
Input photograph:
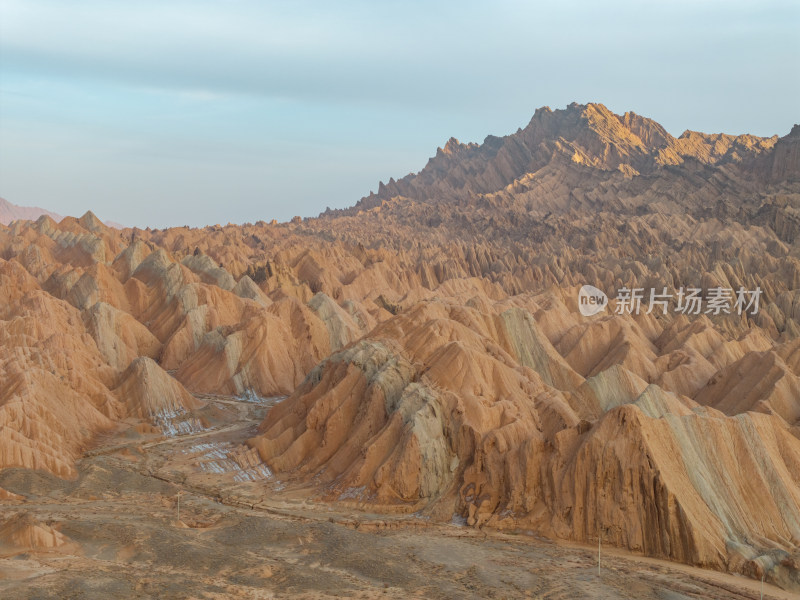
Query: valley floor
(238, 534)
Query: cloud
(404, 53)
(412, 53)
(263, 49)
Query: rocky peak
(453, 147)
(580, 135)
(90, 222)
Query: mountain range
(431, 347)
(11, 212)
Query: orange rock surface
(430, 342)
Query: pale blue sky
(197, 112)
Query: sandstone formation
(444, 409)
(431, 345)
(150, 393)
(23, 533)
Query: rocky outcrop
(208, 272)
(150, 393)
(365, 426)
(23, 533)
(247, 288)
(119, 337)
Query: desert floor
(240, 534)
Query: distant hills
(12, 212)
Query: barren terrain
(120, 536)
(447, 407)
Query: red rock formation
(432, 345)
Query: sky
(170, 113)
